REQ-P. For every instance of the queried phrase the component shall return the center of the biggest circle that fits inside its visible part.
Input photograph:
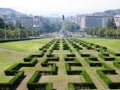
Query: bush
(12, 84)
(70, 86)
(116, 64)
(49, 86)
(104, 77)
(86, 77)
(13, 69)
(44, 62)
(35, 77)
(30, 64)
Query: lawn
(110, 43)
(8, 58)
(25, 46)
(61, 79)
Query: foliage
(71, 26)
(52, 27)
(111, 23)
(2, 24)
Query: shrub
(70, 86)
(104, 77)
(116, 64)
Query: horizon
(60, 7)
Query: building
(92, 22)
(117, 20)
(26, 22)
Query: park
(60, 64)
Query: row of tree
(111, 31)
(9, 31)
(105, 32)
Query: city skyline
(59, 7)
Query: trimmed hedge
(15, 67)
(12, 70)
(108, 82)
(44, 62)
(33, 84)
(93, 64)
(86, 86)
(70, 86)
(71, 72)
(13, 83)
(104, 77)
(116, 64)
(106, 66)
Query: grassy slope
(25, 46)
(110, 43)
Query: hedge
(12, 84)
(13, 69)
(70, 86)
(35, 77)
(29, 64)
(104, 77)
(106, 66)
(116, 64)
(93, 64)
(44, 62)
(86, 77)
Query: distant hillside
(108, 12)
(12, 13)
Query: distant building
(92, 22)
(26, 22)
(117, 20)
(2, 16)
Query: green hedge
(93, 64)
(12, 70)
(29, 64)
(70, 86)
(86, 77)
(108, 82)
(35, 77)
(44, 62)
(116, 64)
(104, 77)
(13, 83)
(106, 66)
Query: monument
(63, 32)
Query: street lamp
(117, 32)
(106, 29)
(117, 24)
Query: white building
(117, 20)
(92, 22)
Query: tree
(111, 23)
(71, 26)
(2, 24)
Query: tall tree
(71, 26)
(2, 24)
(111, 23)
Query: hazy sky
(54, 7)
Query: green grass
(110, 43)
(6, 60)
(25, 46)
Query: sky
(59, 7)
